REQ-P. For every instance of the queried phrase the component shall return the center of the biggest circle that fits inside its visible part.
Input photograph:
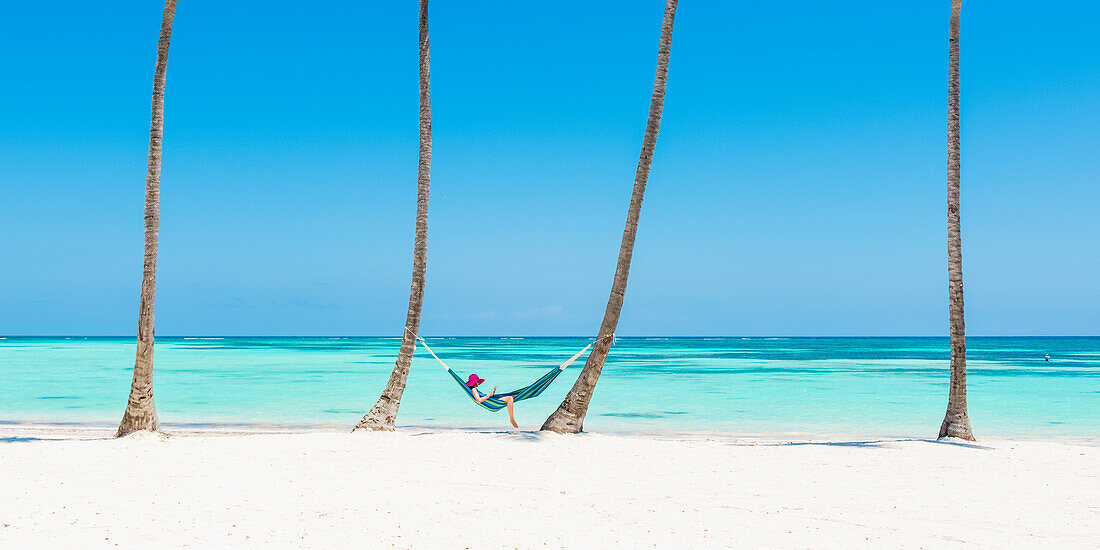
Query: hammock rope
(494, 403)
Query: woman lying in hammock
(476, 381)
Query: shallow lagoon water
(737, 386)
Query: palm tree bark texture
(383, 415)
(569, 416)
(956, 423)
(141, 412)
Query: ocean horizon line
(529, 336)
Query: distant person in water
(476, 381)
(1048, 358)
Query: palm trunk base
(956, 426)
(379, 419)
(138, 420)
(564, 422)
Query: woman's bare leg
(511, 410)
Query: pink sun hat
(474, 381)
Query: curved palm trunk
(141, 413)
(384, 412)
(956, 423)
(569, 417)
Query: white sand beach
(66, 488)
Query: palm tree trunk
(569, 416)
(956, 423)
(141, 413)
(384, 413)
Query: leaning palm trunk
(141, 413)
(384, 413)
(569, 417)
(956, 423)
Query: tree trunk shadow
(869, 443)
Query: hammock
(494, 403)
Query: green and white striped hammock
(494, 403)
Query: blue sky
(798, 187)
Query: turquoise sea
(738, 386)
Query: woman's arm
(479, 398)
